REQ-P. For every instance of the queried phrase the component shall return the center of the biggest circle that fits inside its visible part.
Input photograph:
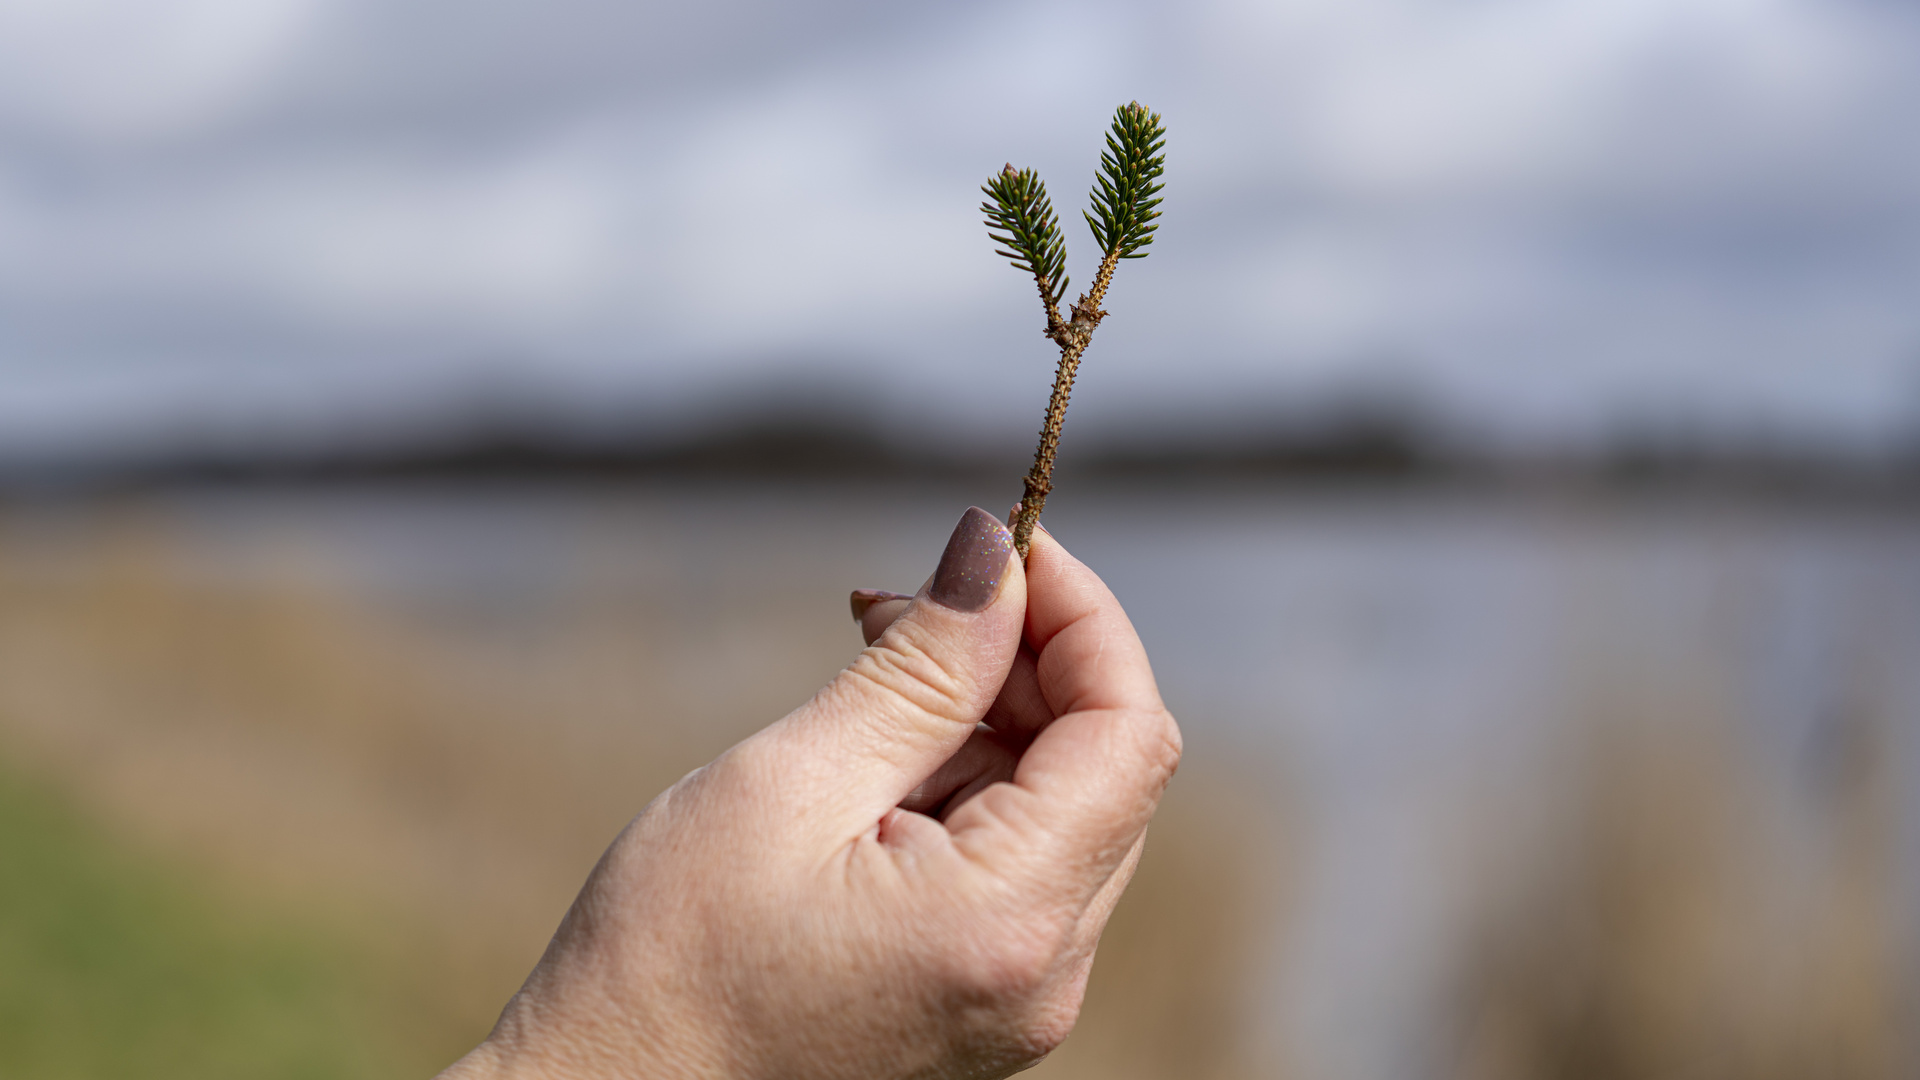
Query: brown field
(433, 788)
(427, 783)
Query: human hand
(904, 877)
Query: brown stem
(1054, 322)
(1102, 278)
(1072, 337)
(1040, 477)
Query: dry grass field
(329, 824)
(420, 793)
(1679, 934)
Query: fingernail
(862, 599)
(974, 563)
(1015, 512)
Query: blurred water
(1415, 669)
(1405, 673)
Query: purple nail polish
(862, 599)
(974, 563)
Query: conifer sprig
(1029, 230)
(1123, 219)
(1125, 196)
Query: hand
(904, 877)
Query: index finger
(1086, 787)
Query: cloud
(1541, 214)
(112, 72)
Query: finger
(1021, 710)
(1087, 933)
(1089, 656)
(1086, 786)
(1085, 939)
(985, 756)
(911, 699)
(991, 753)
(996, 769)
(875, 610)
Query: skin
(904, 877)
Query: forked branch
(1123, 219)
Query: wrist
(522, 1048)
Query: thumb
(911, 698)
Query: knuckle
(1047, 1027)
(902, 667)
(1017, 983)
(1011, 965)
(1162, 744)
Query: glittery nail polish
(974, 564)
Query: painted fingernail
(974, 563)
(862, 599)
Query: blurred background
(428, 429)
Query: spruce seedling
(1020, 218)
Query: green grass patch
(115, 964)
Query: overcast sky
(243, 218)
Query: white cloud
(1543, 209)
(118, 70)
